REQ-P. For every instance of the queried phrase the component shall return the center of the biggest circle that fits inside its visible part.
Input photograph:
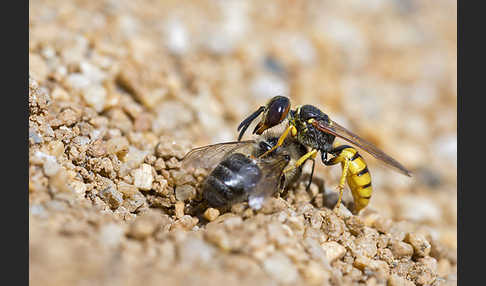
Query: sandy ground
(119, 91)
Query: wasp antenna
(246, 123)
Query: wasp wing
(337, 130)
(209, 156)
(272, 171)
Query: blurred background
(192, 70)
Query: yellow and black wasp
(314, 129)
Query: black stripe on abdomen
(362, 172)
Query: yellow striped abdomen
(358, 178)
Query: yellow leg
(342, 182)
(311, 154)
(280, 140)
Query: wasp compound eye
(275, 112)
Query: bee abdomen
(231, 180)
(215, 192)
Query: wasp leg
(311, 154)
(345, 164)
(311, 175)
(280, 140)
(342, 182)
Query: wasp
(239, 172)
(314, 129)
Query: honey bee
(239, 172)
(313, 128)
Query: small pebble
(429, 262)
(334, 250)
(168, 148)
(211, 214)
(421, 246)
(143, 178)
(56, 148)
(395, 280)
(193, 250)
(142, 228)
(185, 192)
(112, 197)
(401, 249)
(314, 274)
(179, 209)
(95, 96)
(134, 157)
(127, 190)
(111, 234)
(377, 267)
(280, 268)
(117, 146)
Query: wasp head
(274, 113)
(304, 120)
(306, 114)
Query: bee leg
(311, 154)
(281, 188)
(311, 175)
(281, 185)
(342, 182)
(280, 140)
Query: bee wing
(272, 170)
(209, 156)
(337, 130)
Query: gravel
(119, 93)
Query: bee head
(267, 144)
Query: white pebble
(333, 250)
(51, 167)
(195, 250)
(447, 146)
(38, 210)
(78, 81)
(419, 209)
(177, 38)
(111, 234)
(134, 157)
(280, 268)
(95, 96)
(92, 72)
(143, 177)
